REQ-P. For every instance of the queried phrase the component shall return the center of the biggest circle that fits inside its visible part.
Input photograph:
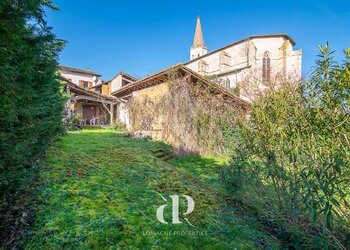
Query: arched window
(225, 83)
(266, 68)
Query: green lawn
(100, 189)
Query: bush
(72, 122)
(120, 126)
(292, 162)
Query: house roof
(124, 74)
(244, 40)
(132, 78)
(80, 71)
(163, 76)
(98, 85)
(85, 91)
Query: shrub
(292, 162)
(72, 122)
(120, 126)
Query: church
(248, 66)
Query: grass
(100, 189)
(204, 168)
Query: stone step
(162, 154)
(157, 150)
(167, 157)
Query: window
(266, 68)
(85, 84)
(203, 66)
(226, 83)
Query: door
(88, 112)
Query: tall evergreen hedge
(31, 103)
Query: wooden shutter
(81, 83)
(105, 89)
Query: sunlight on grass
(101, 189)
(204, 168)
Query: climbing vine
(193, 119)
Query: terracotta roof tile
(198, 40)
(75, 70)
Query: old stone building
(250, 65)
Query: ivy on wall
(193, 119)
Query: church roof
(198, 40)
(285, 36)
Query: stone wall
(155, 96)
(237, 65)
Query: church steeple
(198, 40)
(198, 48)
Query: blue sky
(142, 37)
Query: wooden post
(112, 113)
(68, 101)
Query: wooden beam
(89, 98)
(68, 101)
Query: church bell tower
(198, 48)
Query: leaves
(300, 136)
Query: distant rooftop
(133, 78)
(81, 71)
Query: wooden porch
(95, 109)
